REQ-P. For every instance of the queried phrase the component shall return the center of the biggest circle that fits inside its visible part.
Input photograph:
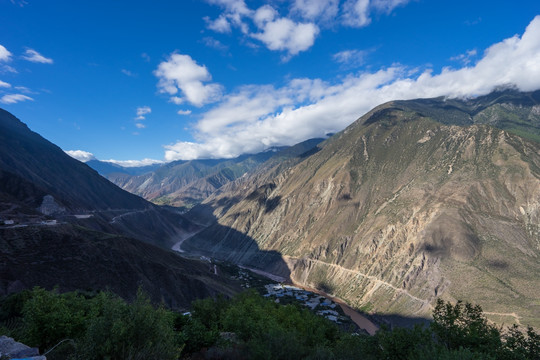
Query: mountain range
(64, 224)
(414, 201)
(187, 183)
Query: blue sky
(184, 79)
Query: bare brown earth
(395, 211)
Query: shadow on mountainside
(227, 244)
(74, 258)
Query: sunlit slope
(400, 208)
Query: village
(319, 304)
(288, 294)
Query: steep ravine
(394, 212)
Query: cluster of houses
(321, 305)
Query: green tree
(50, 317)
(118, 330)
(464, 326)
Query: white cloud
(356, 13)
(282, 33)
(6, 68)
(388, 5)
(182, 73)
(5, 55)
(258, 116)
(213, 43)
(220, 25)
(34, 56)
(286, 33)
(277, 33)
(350, 58)
(235, 12)
(465, 58)
(4, 84)
(176, 100)
(142, 111)
(316, 9)
(134, 163)
(81, 155)
(140, 125)
(128, 73)
(24, 89)
(184, 112)
(21, 3)
(14, 98)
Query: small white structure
(49, 222)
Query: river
(359, 319)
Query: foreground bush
(103, 326)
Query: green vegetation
(103, 326)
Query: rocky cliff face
(400, 208)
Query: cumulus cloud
(5, 55)
(275, 32)
(220, 25)
(80, 155)
(289, 33)
(180, 73)
(283, 33)
(134, 163)
(184, 112)
(34, 56)
(14, 98)
(255, 117)
(235, 13)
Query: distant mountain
(186, 183)
(415, 200)
(105, 168)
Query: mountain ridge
(399, 198)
